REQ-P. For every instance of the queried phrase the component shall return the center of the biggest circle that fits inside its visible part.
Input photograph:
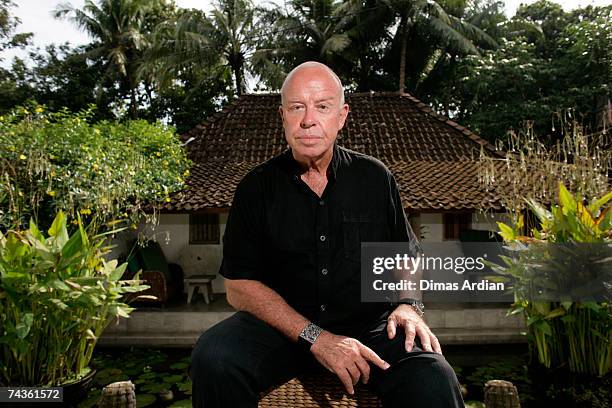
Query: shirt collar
(332, 170)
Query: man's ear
(344, 111)
(280, 112)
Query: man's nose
(308, 119)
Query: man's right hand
(346, 357)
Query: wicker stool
(317, 390)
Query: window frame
(457, 224)
(211, 235)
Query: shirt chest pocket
(358, 227)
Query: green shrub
(60, 161)
(57, 294)
(569, 330)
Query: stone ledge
(182, 329)
(446, 337)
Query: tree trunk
(404, 44)
(238, 79)
(133, 112)
(133, 107)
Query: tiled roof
(433, 158)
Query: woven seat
(317, 390)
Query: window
(454, 223)
(203, 228)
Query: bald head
(313, 66)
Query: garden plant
(67, 187)
(559, 199)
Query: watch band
(309, 335)
(416, 304)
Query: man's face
(312, 113)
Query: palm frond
(452, 37)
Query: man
(291, 259)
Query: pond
(161, 376)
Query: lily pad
(181, 365)
(148, 376)
(154, 388)
(109, 375)
(132, 372)
(144, 400)
(157, 359)
(172, 379)
(184, 386)
(182, 404)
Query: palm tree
(428, 21)
(307, 30)
(220, 42)
(119, 29)
(235, 29)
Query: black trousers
(233, 361)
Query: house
(434, 160)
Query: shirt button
(322, 238)
(323, 307)
(324, 271)
(322, 203)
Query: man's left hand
(405, 316)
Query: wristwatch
(417, 305)
(309, 335)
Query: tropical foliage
(561, 276)
(156, 61)
(107, 170)
(536, 76)
(120, 31)
(57, 294)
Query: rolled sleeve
(243, 238)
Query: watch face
(417, 306)
(310, 333)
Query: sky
(36, 17)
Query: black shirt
(307, 248)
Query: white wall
(434, 226)
(172, 233)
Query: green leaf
(35, 231)
(506, 232)
(144, 400)
(566, 200)
(61, 305)
(172, 379)
(58, 284)
(542, 213)
(543, 326)
(118, 272)
(599, 203)
(82, 231)
(182, 404)
(23, 327)
(73, 246)
(58, 229)
(117, 310)
(181, 365)
(555, 313)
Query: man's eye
(295, 107)
(323, 107)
